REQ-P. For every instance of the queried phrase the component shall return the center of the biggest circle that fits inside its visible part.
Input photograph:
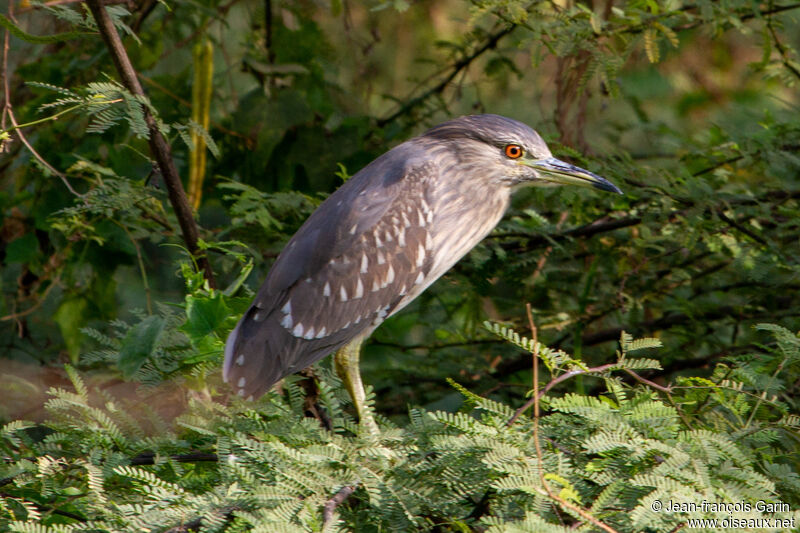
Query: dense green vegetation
(117, 295)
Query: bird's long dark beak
(558, 171)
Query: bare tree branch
(334, 502)
(455, 69)
(159, 146)
(553, 382)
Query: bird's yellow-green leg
(346, 360)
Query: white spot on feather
(326, 290)
(421, 217)
(428, 241)
(353, 229)
(241, 393)
(309, 334)
(420, 255)
(420, 278)
(403, 291)
(429, 217)
(343, 294)
(259, 316)
(287, 322)
(240, 360)
(359, 289)
(381, 258)
(375, 286)
(406, 222)
(381, 315)
(241, 383)
(378, 243)
(401, 237)
(389, 275)
(321, 333)
(287, 309)
(364, 263)
(298, 330)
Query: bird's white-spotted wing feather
(363, 285)
(362, 255)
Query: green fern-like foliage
(171, 344)
(108, 103)
(266, 466)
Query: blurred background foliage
(691, 107)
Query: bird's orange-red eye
(514, 151)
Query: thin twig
(221, 11)
(51, 3)
(34, 307)
(144, 459)
(142, 269)
(647, 382)
(197, 523)
(4, 75)
(334, 502)
(535, 354)
(435, 347)
(587, 230)
(760, 399)
(667, 392)
(734, 224)
(785, 59)
(36, 154)
(511, 365)
(8, 111)
(455, 69)
(194, 457)
(555, 381)
(580, 510)
(187, 104)
(159, 146)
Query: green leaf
(138, 344)
(22, 250)
(16, 31)
(71, 317)
(204, 315)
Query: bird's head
(506, 150)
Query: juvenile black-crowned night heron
(380, 240)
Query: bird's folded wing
(362, 255)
